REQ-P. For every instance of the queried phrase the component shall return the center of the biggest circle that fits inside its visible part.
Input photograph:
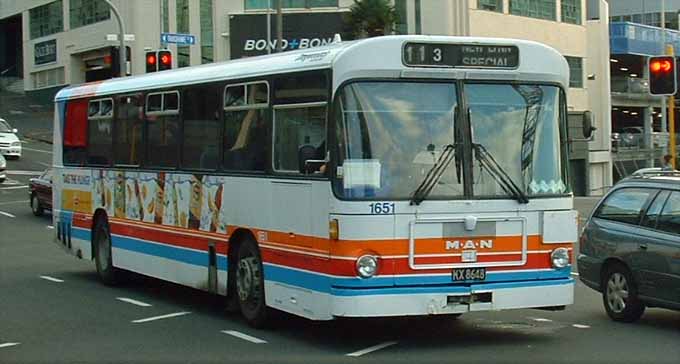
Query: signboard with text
(45, 52)
(181, 39)
(248, 33)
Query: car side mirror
(588, 127)
(15, 130)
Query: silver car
(3, 167)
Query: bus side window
(201, 127)
(246, 126)
(99, 130)
(127, 146)
(162, 129)
(75, 132)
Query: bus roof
(537, 62)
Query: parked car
(630, 245)
(633, 136)
(10, 145)
(3, 168)
(40, 192)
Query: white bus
(391, 176)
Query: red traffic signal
(151, 62)
(662, 75)
(164, 60)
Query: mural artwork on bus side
(191, 201)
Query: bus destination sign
(460, 55)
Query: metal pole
(279, 26)
(269, 26)
(121, 36)
(664, 100)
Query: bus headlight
(559, 258)
(367, 266)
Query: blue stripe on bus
(158, 250)
(350, 286)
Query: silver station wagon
(630, 246)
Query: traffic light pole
(671, 117)
(121, 38)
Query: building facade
(65, 42)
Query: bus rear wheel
(250, 285)
(102, 245)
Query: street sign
(126, 37)
(184, 39)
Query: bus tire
(250, 284)
(102, 245)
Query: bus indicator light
(662, 75)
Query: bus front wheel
(102, 244)
(250, 284)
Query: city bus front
(451, 195)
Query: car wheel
(102, 245)
(250, 285)
(2, 180)
(619, 295)
(35, 206)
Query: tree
(371, 18)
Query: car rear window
(625, 205)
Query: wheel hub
(246, 278)
(617, 292)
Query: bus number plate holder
(468, 274)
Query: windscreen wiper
(487, 161)
(433, 175)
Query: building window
(541, 9)
(492, 5)
(183, 52)
(575, 71)
(571, 11)
(47, 19)
(84, 12)
(290, 4)
(166, 16)
(401, 26)
(48, 78)
(206, 31)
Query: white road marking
(160, 317)
(13, 188)
(24, 173)
(372, 349)
(37, 150)
(130, 300)
(52, 279)
(13, 202)
(243, 336)
(45, 164)
(540, 319)
(574, 274)
(6, 345)
(50, 227)
(7, 214)
(579, 326)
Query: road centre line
(160, 317)
(50, 227)
(13, 188)
(24, 173)
(13, 202)
(372, 349)
(7, 214)
(540, 319)
(579, 326)
(130, 300)
(37, 150)
(52, 279)
(243, 336)
(6, 345)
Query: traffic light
(662, 75)
(113, 59)
(160, 60)
(164, 60)
(151, 61)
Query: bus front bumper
(408, 301)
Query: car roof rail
(655, 172)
